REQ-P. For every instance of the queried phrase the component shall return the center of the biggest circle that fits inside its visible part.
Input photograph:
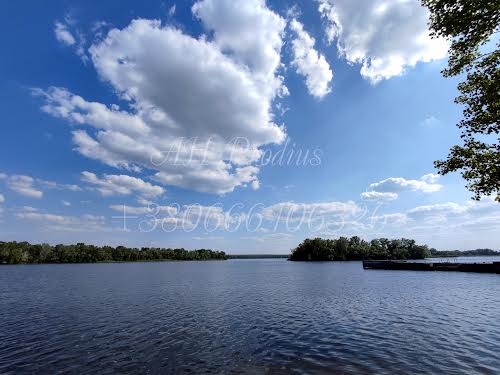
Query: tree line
(354, 248)
(26, 253)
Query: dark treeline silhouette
(24, 252)
(354, 248)
(466, 253)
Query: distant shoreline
(26, 253)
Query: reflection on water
(246, 316)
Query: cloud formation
(378, 196)
(122, 185)
(310, 63)
(309, 211)
(55, 222)
(63, 34)
(24, 185)
(180, 88)
(384, 36)
(33, 187)
(426, 184)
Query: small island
(26, 253)
(385, 254)
(355, 248)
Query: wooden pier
(493, 267)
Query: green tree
(470, 25)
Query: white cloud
(384, 36)
(55, 222)
(250, 31)
(309, 211)
(448, 224)
(32, 187)
(378, 196)
(208, 238)
(179, 87)
(273, 237)
(122, 185)
(151, 209)
(63, 34)
(33, 215)
(66, 203)
(187, 217)
(2, 198)
(426, 184)
(430, 122)
(438, 209)
(430, 178)
(309, 63)
(71, 38)
(171, 10)
(24, 185)
(57, 186)
(255, 184)
(394, 219)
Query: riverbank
(26, 253)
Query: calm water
(246, 316)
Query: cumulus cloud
(309, 211)
(384, 36)
(212, 88)
(50, 221)
(187, 217)
(250, 31)
(378, 196)
(255, 185)
(448, 208)
(430, 178)
(32, 187)
(150, 209)
(122, 185)
(427, 184)
(446, 220)
(51, 218)
(447, 225)
(67, 35)
(63, 34)
(309, 62)
(58, 186)
(24, 185)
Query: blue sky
(92, 96)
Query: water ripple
(247, 316)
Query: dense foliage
(23, 252)
(466, 253)
(470, 25)
(354, 248)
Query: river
(246, 316)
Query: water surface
(246, 316)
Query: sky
(243, 126)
